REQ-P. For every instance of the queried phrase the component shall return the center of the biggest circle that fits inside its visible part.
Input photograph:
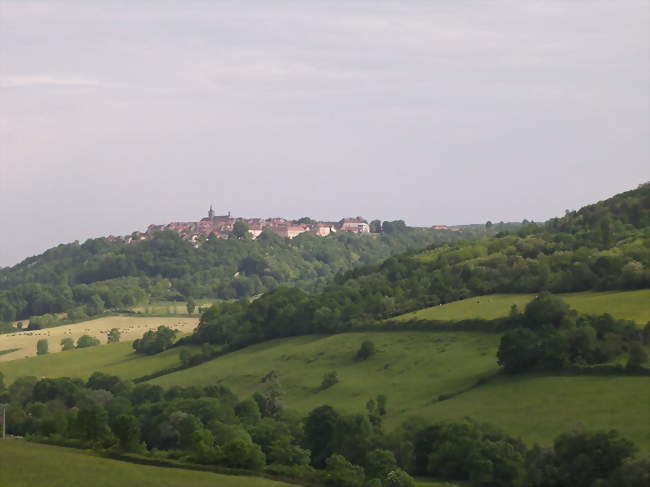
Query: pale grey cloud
(45, 80)
(118, 114)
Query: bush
(85, 341)
(366, 350)
(114, 335)
(41, 347)
(329, 379)
(67, 344)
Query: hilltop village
(225, 226)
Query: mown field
(628, 305)
(131, 327)
(116, 358)
(33, 465)
(414, 368)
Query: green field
(414, 368)
(411, 368)
(628, 305)
(33, 465)
(539, 407)
(116, 358)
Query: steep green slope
(412, 368)
(33, 465)
(627, 305)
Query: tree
(399, 478)
(518, 350)
(379, 463)
(155, 341)
(240, 230)
(584, 457)
(67, 343)
(114, 335)
(85, 341)
(41, 347)
(637, 356)
(321, 435)
(366, 350)
(375, 226)
(127, 430)
(191, 306)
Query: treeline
(603, 246)
(98, 274)
(211, 426)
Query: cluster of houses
(221, 226)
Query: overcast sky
(114, 115)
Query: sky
(115, 115)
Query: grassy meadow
(34, 465)
(414, 368)
(115, 358)
(628, 305)
(131, 327)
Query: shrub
(85, 341)
(67, 344)
(329, 379)
(41, 347)
(366, 350)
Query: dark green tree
(41, 347)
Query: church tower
(211, 213)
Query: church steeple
(211, 213)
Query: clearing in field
(627, 305)
(34, 465)
(130, 327)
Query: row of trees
(84, 341)
(212, 426)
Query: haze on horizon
(115, 115)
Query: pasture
(116, 358)
(130, 327)
(34, 465)
(628, 305)
(413, 369)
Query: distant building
(354, 225)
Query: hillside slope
(86, 278)
(601, 247)
(413, 369)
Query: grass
(131, 327)
(116, 358)
(628, 305)
(34, 465)
(539, 407)
(414, 368)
